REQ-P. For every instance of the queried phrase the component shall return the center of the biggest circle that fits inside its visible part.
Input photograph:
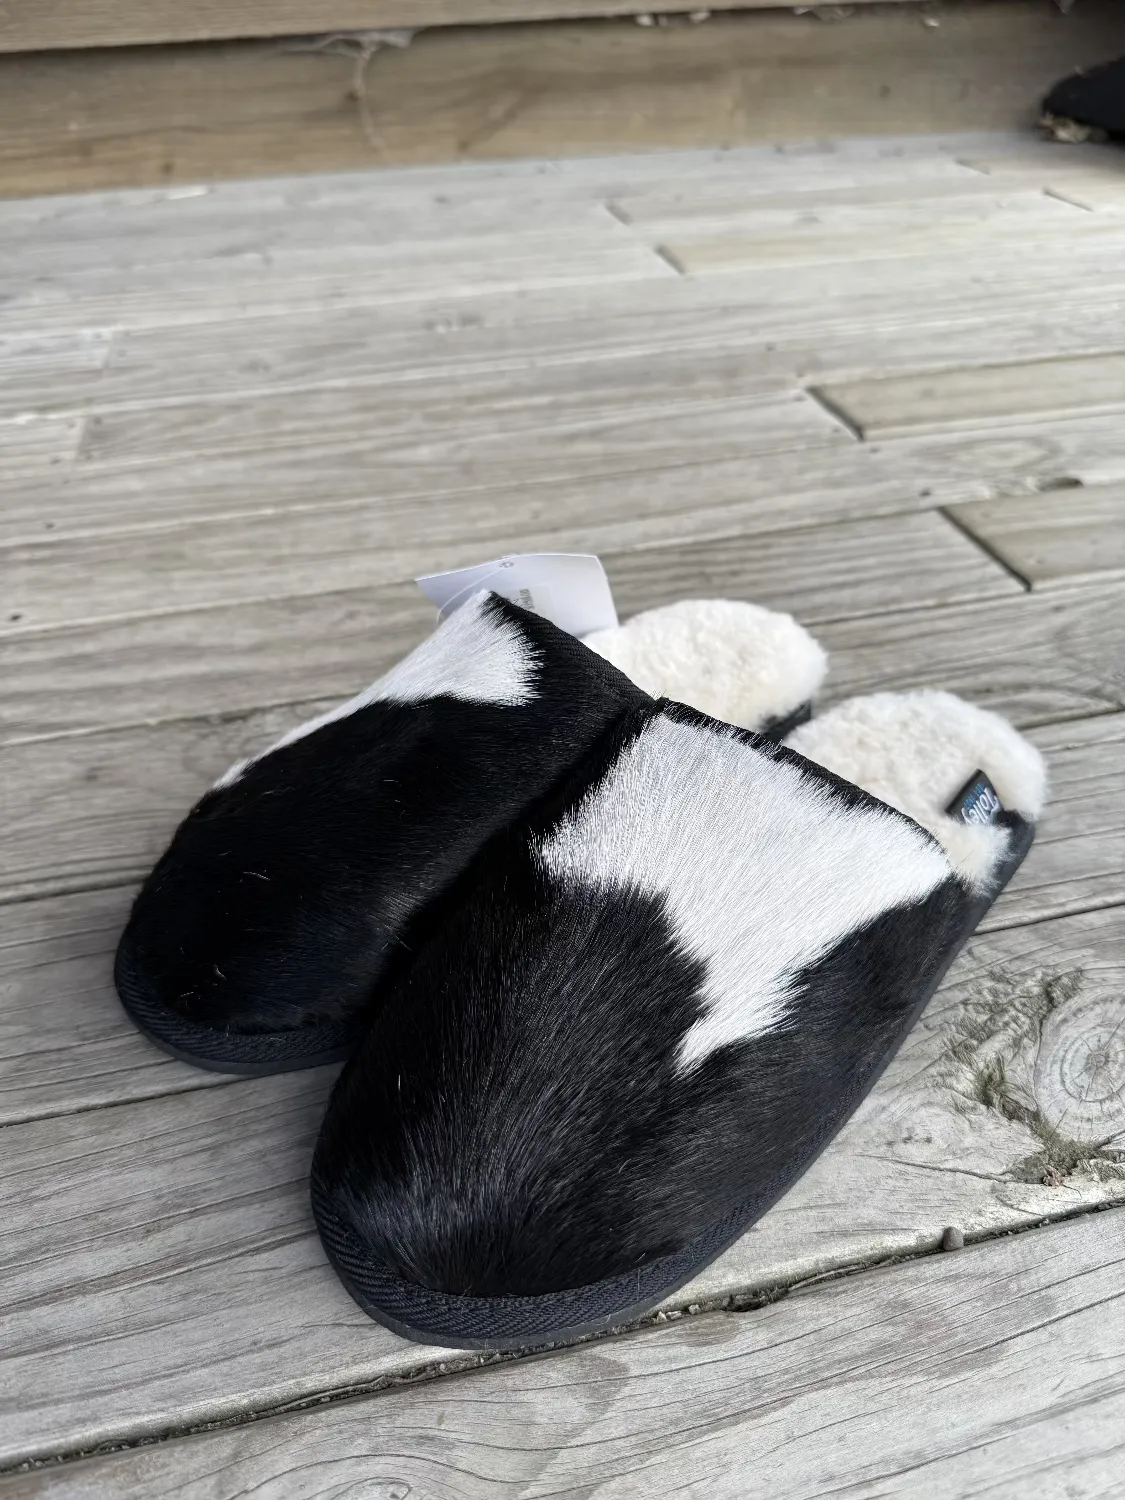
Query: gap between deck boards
(466, 1362)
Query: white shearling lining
(915, 751)
(735, 661)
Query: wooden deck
(880, 384)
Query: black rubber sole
(527, 1323)
(245, 1054)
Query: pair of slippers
(608, 970)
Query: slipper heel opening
(939, 760)
(748, 666)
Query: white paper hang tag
(569, 589)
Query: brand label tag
(977, 801)
(569, 589)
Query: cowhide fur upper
(644, 1004)
(289, 889)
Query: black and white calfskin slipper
(648, 1006)
(267, 932)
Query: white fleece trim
(761, 870)
(472, 655)
(916, 751)
(735, 661)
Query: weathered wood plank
(668, 485)
(1094, 187)
(29, 27)
(589, 179)
(1070, 536)
(987, 397)
(725, 200)
(879, 213)
(174, 115)
(434, 504)
(857, 567)
(783, 339)
(180, 665)
(212, 290)
(282, 231)
(556, 398)
(784, 296)
(190, 1212)
(1078, 861)
(30, 445)
(1036, 658)
(109, 804)
(1037, 222)
(65, 1044)
(1026, 458)
(1000, 1370)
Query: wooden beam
(72, 121)
(36, 25)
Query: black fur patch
(516, 1123)
(287, 896)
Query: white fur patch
(735, 661)
(916, 751)
(472, 656)
(762, 872)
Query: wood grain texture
(819, 573)
(1070, 536)
(65, 1043)
(211, 290)
(612, 275)
(999, 1371)
(1079, 859)
(33, 445)
(1035, 659)
(1026, 458)
(190, 1212)
(29, 27)
(1036, 225)
(982, 397)
(435, 505)
(171, 114)
(527, 403)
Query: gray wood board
(84, 810)
(1033, 230)
(1078, 860)
(104, 294)
(689, 476)
(540, 285)
(1035, 658)
(189, 1212)
(1070, 536)
(490, 453)
(983, 397)
(172, 624)
(712, 469)
(553, 397)
(831, 339)
(65, 1043)
(999, 1370)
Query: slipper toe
(650, 1005)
